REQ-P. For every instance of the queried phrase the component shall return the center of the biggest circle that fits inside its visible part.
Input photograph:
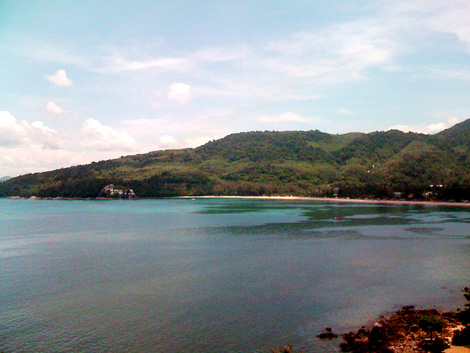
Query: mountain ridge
(380, 164)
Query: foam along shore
(328, 199)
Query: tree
(431, 324)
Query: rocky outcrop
(404, 331)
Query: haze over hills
(305, 163)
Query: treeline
(384, 165)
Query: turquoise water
(217, 275)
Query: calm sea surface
(217, 275)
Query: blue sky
(82, 81)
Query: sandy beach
(327, 199)
(456, 349)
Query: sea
(218, 275)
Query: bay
(218, 275)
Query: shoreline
(341, 200)
(410, 330)
(280, 198)
(402, 332)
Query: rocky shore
(412, 330)
(405, 331)
(409, 330)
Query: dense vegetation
(389, 164)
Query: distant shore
(282, 198)
(328, 199)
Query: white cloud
(339, 52)
(441, 16)
(429, 129)
(54, 109)
(15, 133)
(45, 136)
(60, 79)
(12, 132)
(285, 117)
(119, 63)
(433, 128)
(29, 159)
(168, 141)
(104, 138)
(27, 148)
(180, 93)
(189, 132)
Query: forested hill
(387, 164)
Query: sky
(84, 81)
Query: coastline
(328, 199)
(280, 198)
(404, 332)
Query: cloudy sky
(82, 81)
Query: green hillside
(387, 164)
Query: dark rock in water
(328, 334)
